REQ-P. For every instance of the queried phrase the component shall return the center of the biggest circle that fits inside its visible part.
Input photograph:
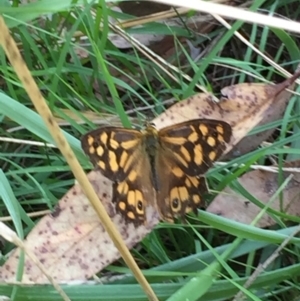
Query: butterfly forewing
(113, 150)
(194, 145)
(120, 156)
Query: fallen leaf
(262, 185)
(266, 103)
(243, 106)
(140, 9)
(71, 242)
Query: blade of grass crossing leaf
(274, 149)
(275, 214)
(19, 275)
(272, 199)
(243, 230)
(228, 180)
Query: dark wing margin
(112, 150)
(195, 144)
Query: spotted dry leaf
(262, 185)
(71, 242)
(243, 106)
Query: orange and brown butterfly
(162, 168)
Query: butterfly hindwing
(135, 193)
(180, 193)
(194, 145)
(113, 150)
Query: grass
(209, 259)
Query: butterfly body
(152, 146)
(162, 168)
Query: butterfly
(162, 168)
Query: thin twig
(262, 266)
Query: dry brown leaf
(71, 242)
(243, 106)
(274, 111)
(294, 166)
(262, 185)
(148, 12)
(145, 8)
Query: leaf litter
(72, 243)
